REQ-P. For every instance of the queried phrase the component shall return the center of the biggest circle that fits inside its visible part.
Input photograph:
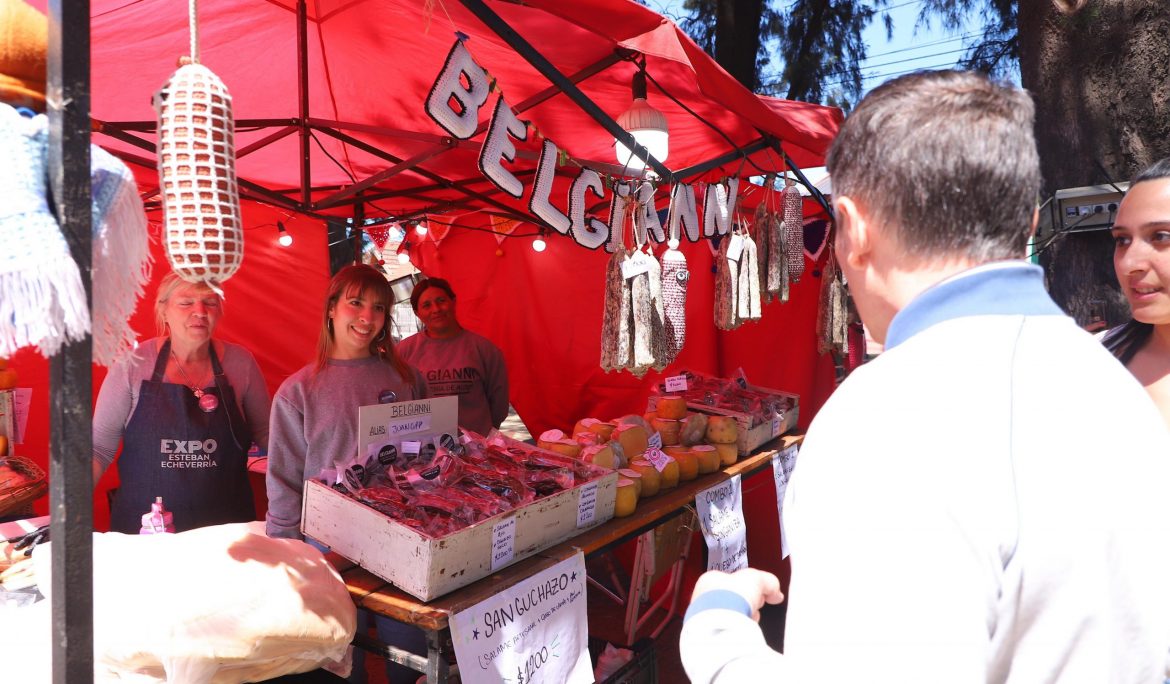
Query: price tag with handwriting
(503, 543)
(676, 383)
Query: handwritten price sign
(534, 632)
(721, 517)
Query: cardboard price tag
(587, 504)
(735, 248)
(676, 383)
(634, 267)
(411, 446)
(775, 424)
(657, 458)
(503, 543)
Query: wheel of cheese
(600, 455)
(627, 498)
(550, 436)
(670, 474)
(694, 429)
(651, 478)
(605, 430)
(564, 447)
(633, 476)
(728, 453)
(707, 456)
(668, 428)
(688, 463)
(633, 439)
(586, 438)
(583, 425)
(722, 430)
(672, 407)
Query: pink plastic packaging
(159, 520)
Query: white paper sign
(23, 401)
(782, 465)
(532, 633)
(409, 426)
(734, 248)
(721, 517)
(586, 504)
(503, 543)
(676, 383)
(634, 267)
(411, 447)
(775, 424)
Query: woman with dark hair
(314, 413)
(455, 361)
(1141, 258)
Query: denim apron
(196, 461)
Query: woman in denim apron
(187, 410)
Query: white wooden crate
(427, 567)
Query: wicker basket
(21, 483)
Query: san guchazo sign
(454, 102)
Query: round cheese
(633, 476)
(668, 428)
(583, 425)
(633, 439)
(600, 455)
(565, 447)
(688, 464)
(728, 453)
(586, 438)
(605, 430)
(708, 458)
(551, 436)
(722, 430)
(627, 498)
(670, 474)
(651, 478)
(671, 406)
(694, 429)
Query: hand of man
(755, 586)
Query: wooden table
(381, 598)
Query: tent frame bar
(70, 370)
(546, 68)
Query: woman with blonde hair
(1141, 258)
(186, 409)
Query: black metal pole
(303, 101)
(70, 372)
(812, 189)
(546, 68)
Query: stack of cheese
(712, 439)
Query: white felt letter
(587, 231)
(683, 212)
(718, 207)
(447, 87)
(617, 215)
(646, 219)
(546, 173)
(499, 146)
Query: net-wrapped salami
(203, 234)
(794, 230)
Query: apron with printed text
(196, 461)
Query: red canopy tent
(337, 128)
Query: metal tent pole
(546, 68)
(70, 372)
(303, 101)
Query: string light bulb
(404, 253)
(420, 229)
(539, 245)
(283, 236)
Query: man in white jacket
(989, 499)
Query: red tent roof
(370, 65)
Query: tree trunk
(1101, 81)
(737, 38)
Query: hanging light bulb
(404, 253)
(538, 244)
(646, 124)
(420, 229)
(283, 236)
